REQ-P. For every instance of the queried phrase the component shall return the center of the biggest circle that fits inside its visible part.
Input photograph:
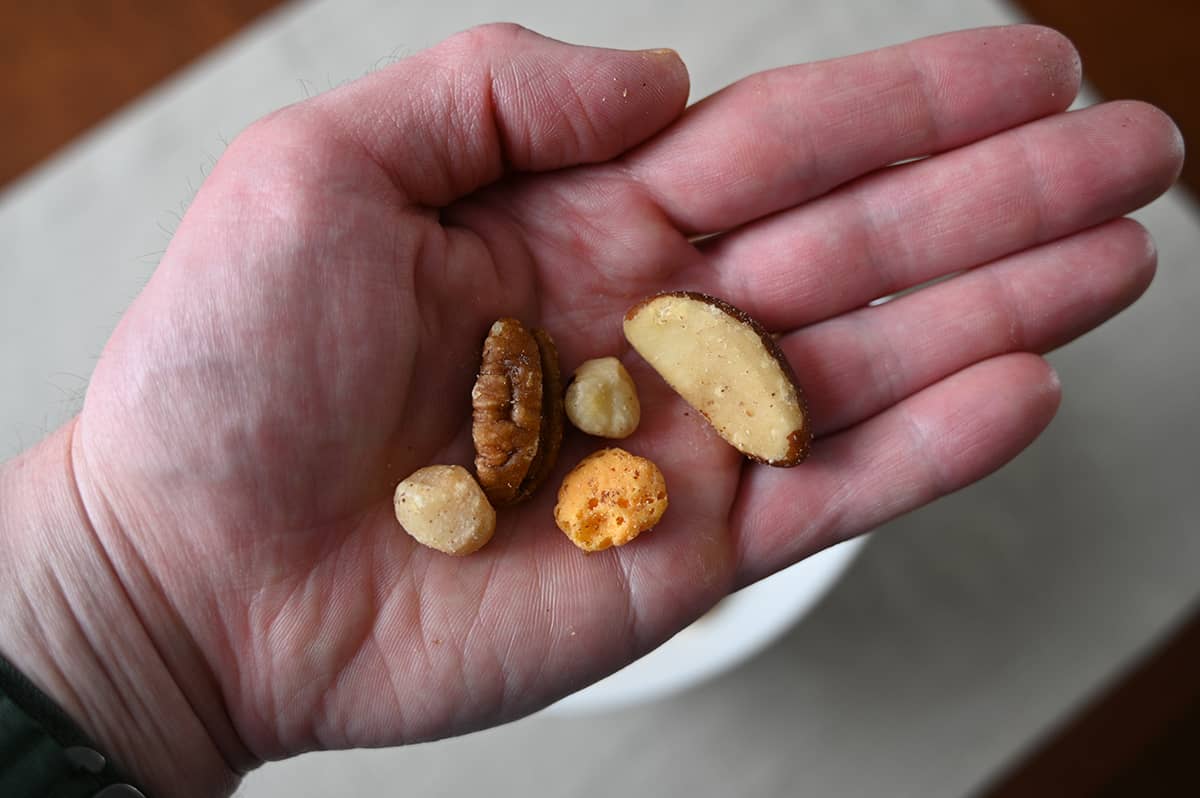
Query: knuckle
(293, 140)
(270, 136)
(484, 38)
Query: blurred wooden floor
(70, 63)
(67, 64)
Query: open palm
(313, 332)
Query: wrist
(69, 622)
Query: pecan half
(552, 417)
(506, 404)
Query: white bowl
(734, 631)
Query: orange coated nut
(610, 498)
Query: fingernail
(662, 51)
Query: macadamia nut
(602, 400)
(610, 498)
(443, 507)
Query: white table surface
(964, 632)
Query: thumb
(494, 98)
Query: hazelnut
(602, 399)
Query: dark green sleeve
(43, 754)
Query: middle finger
(909, 224)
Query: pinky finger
(931, 444)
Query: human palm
(313, 332)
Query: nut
(610, 498)
(724, 364)
(550, 435)
(602, 399)
(443, 507)
(507, 415)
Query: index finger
(778, 138)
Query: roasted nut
(516, 412)
(506, 409)
(724, 364)
(602, 399)
(550, 435)
(443, 507)
(610, 498)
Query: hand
(311, 337)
